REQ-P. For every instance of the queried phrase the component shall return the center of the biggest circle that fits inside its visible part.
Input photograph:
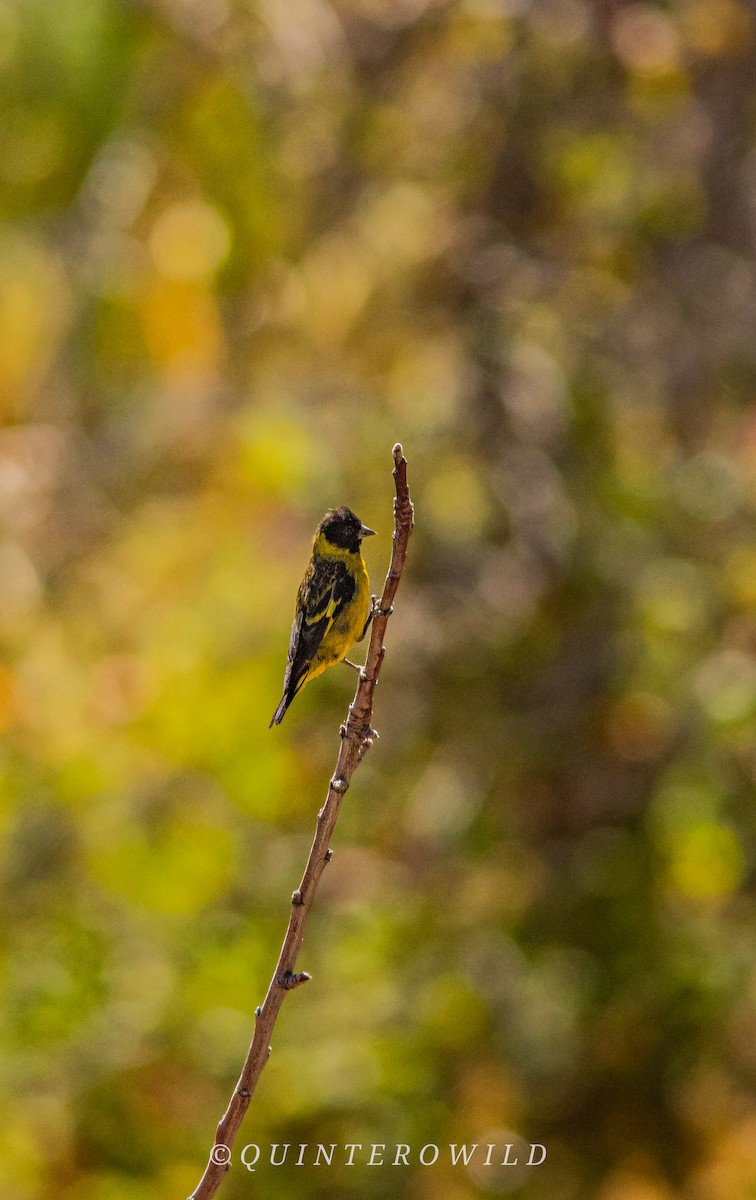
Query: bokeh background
(244, 247)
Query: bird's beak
(365, 532)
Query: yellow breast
(350, 622)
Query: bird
(334, 605)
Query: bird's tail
(278, 715)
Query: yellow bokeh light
(717, 27)
(182, 326)
(190, 241)
(707, 862)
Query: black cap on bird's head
(342, 528)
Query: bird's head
(342, 528)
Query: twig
(356, 737)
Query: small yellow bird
(333, 603)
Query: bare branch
(357, 737)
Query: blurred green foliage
(244, 247)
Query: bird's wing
(325, 591)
